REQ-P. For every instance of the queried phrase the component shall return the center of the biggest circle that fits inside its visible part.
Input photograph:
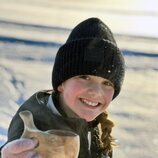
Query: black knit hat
(89, 50)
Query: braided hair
(106, 141)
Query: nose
(95, 90)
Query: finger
(20, 145)
(27, 154)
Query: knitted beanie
(89, 50)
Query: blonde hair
(106, 141)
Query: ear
(60, 88)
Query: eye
(85, 77)
(108, 83)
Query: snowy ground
(32, 31)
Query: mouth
(90, 103)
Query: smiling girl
(85, 96)
(87, 75)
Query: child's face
(87, 96)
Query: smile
(90, 103)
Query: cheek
(109, 95)
(76, 88)
(72, 91)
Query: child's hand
(21, 148)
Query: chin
(89, 119)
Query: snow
(30, 35)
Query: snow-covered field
(30, 34)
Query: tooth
(90, 103)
